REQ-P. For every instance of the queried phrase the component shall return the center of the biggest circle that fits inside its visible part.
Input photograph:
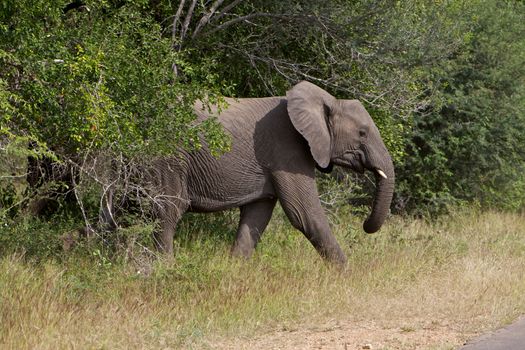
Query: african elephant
(277, 143)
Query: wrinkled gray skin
(277, 143)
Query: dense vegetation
(112, 82)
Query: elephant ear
(308, 105)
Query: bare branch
(187, 20)
(174, 43)
(206, 18)
(81, 204)
(175, 22)
(21, 176)
(245, 19)
(224, 11)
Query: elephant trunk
(383, 196)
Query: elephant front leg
(300, 200)
(254, 219)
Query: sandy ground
(350, 335)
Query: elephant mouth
(352, 159)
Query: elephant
(276, 145)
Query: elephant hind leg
(169, 211)
(254, 219)
(171, 202)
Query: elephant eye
(362, 133)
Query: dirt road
(356, 335)
(350, 335)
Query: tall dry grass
(466, 271)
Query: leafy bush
(96, 85)
(116, 81)
(468, 145)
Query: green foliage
(468, 144)
(13, 167)
(96, 80)
(36, 239)
(100, 79)
(443, 80)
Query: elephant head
(341, 132)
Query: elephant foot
(334, 256)
(163, 241)
(240, 251)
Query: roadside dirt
(353, 335)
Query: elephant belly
(225, 183)
(202, 204)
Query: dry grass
(465, 273)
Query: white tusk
(380, 172)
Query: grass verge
(465, 271)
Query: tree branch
(206, 18)
(224, 11)
(187, 20)
(245, 18)
(175, 23)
